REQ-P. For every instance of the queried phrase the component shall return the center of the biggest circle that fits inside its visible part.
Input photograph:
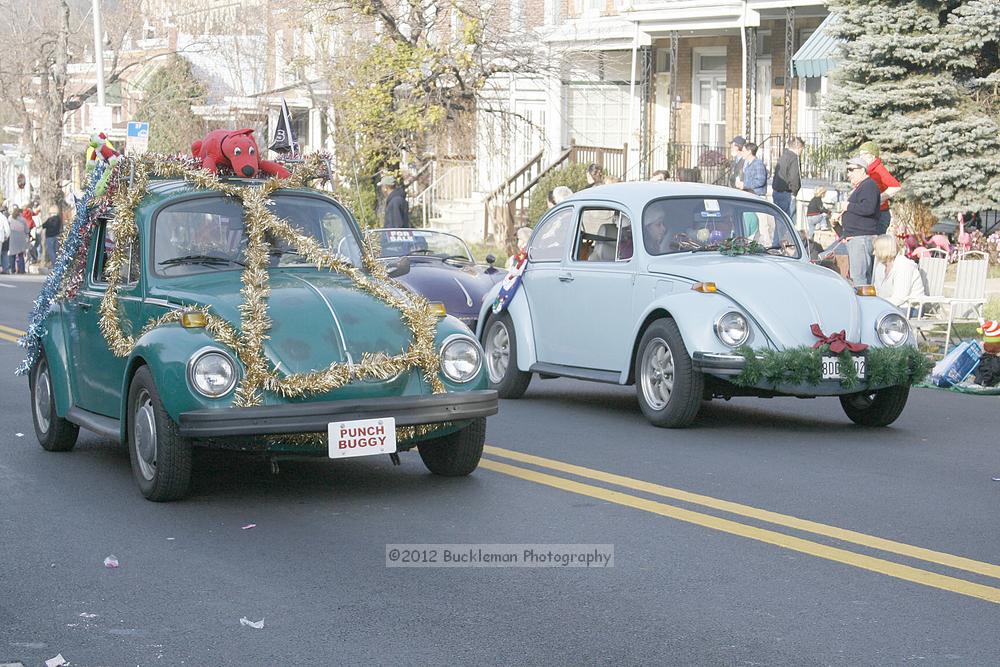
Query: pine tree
(910, 79)
(166, 106)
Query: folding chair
(964, 305)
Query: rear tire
(161, 458)
(876, 408)
(500, 348)
(456, 454)
(54, 433)
(670, 391)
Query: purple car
(440, 267)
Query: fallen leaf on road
(249, 526)
(259, 625)
(56, 661)
(111, 561)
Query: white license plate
(362, 437)
(831, 368)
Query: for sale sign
(362, 437)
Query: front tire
(456, 454)
(669, 389)
(500, 348)
(875, 408)
(161, 458)
(54, 433)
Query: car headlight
(212, 373)
(732, 329)
(461, 358)
(892, 329)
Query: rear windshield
(699, 224)
(207, 233)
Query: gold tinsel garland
(247, 343)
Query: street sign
(137, 138)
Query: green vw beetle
(181, 281)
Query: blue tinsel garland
(31, 341)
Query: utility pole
(99, 53)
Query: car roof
(638, 193)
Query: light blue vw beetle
(692, 292)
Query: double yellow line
(781, 539)
(10, 334)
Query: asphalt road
(899, 564)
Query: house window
(598, 114)
(764, 44)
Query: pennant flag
(285, 140)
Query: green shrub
(573, 176)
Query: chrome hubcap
(43, 397)
(497, 352)
(144, 435)
(656, 372)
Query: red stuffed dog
(237, 150)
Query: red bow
(837, 341)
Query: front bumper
(314, 417)
(726, 366)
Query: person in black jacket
(787, 177)
(859, 220)
(52, 227)
(397, 210)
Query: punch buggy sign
(362, 437)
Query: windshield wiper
(208, 260)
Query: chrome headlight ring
(892, 330)
(732, 329)
(461, 358)
(211, 372)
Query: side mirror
(401, 268)
(491, 259)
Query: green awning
(818, 55)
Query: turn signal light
(704, 288)
(193, 319)
(438, 309)
(865, 290)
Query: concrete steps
(461, 217)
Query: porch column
(786, 121)
(645, 112)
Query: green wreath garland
(884, 366)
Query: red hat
(990, 330)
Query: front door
(97, 372)
(542, 285)
(599, 291)
(709, 92)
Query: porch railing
(506, 207)
(450, 180)
(705, 163)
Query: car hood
(784, 296)
(460, 289)
(316, 318)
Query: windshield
(417, 242)
(208, 234)
(692, 224)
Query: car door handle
(85, 305)
(566, 277)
